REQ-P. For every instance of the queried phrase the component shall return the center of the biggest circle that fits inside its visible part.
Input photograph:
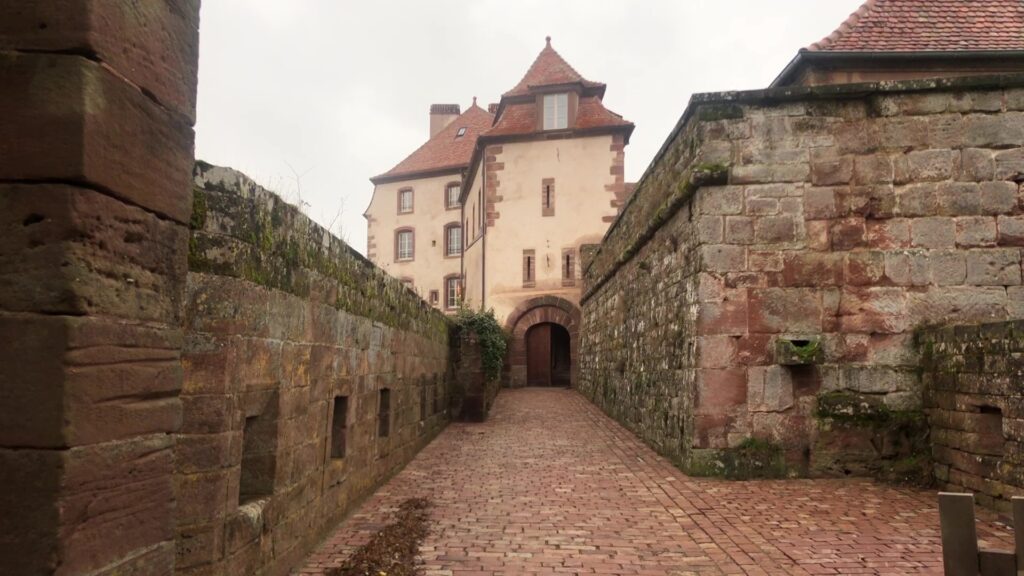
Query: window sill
(529, 284)
(404, 260)
(453, 256)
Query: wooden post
(959, 536)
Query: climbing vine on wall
(493, 340)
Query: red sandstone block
(775, 310)
(29, 500)
(154, 45)
(847, 234)
(119, 488)
(198, 545)
(720, 390)
(864, 268)
(204, 497)
(812, 269)
(873, 309)
(70, 119)
(726, 317)
(76, 251)
(31, 390)
(888, 234)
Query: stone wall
(975, 405)
(294, 342)
(763, 282)
(97, 101)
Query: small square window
(461, 132)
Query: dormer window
(556, 111)
(461, 132)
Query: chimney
(441, 115)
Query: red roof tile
(549, 68)
(929, 25)
(444, 150)
(521, 118)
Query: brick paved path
(550, 485)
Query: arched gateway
(545, 340)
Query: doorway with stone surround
(548, 355)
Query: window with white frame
(404, 245)
(556, 111)
(453, 240)
(451, 196)
(452, 289)
(405, 201)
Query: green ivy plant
(493, 340)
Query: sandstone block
(873, 310)
(873, 169)
(119, 487)
(710, 229)
(812, 269)
(777, 310)
(831, 171)
(864, 268)
(888, 234)
(769, 389)
(724, 258)
(847, 234)
(1009, 164)
(957, 304)
(996, 267)
(908, 267)
(959, 198)
(78, 122)
(935, 232)
(998, 197)
(775, 229)
(975, 231)
(719, 200)
(816, 235)
(994, 131)
(820, 203)
(726, 317)
(155, 47)
(917, 200)
(925, 166)
(76, 251)
(720, 390)
(977, 165)
(739, 230)
(948, 267)
(1010, 230)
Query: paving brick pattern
(550, 485)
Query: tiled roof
(521, 118)
(929, 25)
(444, 150)
(549, 68)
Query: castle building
(912, 39)
(494, 210)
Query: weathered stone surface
(855, 226)
(72, 120)
(274, 337)
(154, 45)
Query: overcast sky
(313, 97)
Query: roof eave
(417, 174)
(805, 56)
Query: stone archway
(533, 312)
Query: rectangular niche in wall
(989, 427)
(339, 426)
(259, 458)
(384, 413)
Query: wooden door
(538, 355)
